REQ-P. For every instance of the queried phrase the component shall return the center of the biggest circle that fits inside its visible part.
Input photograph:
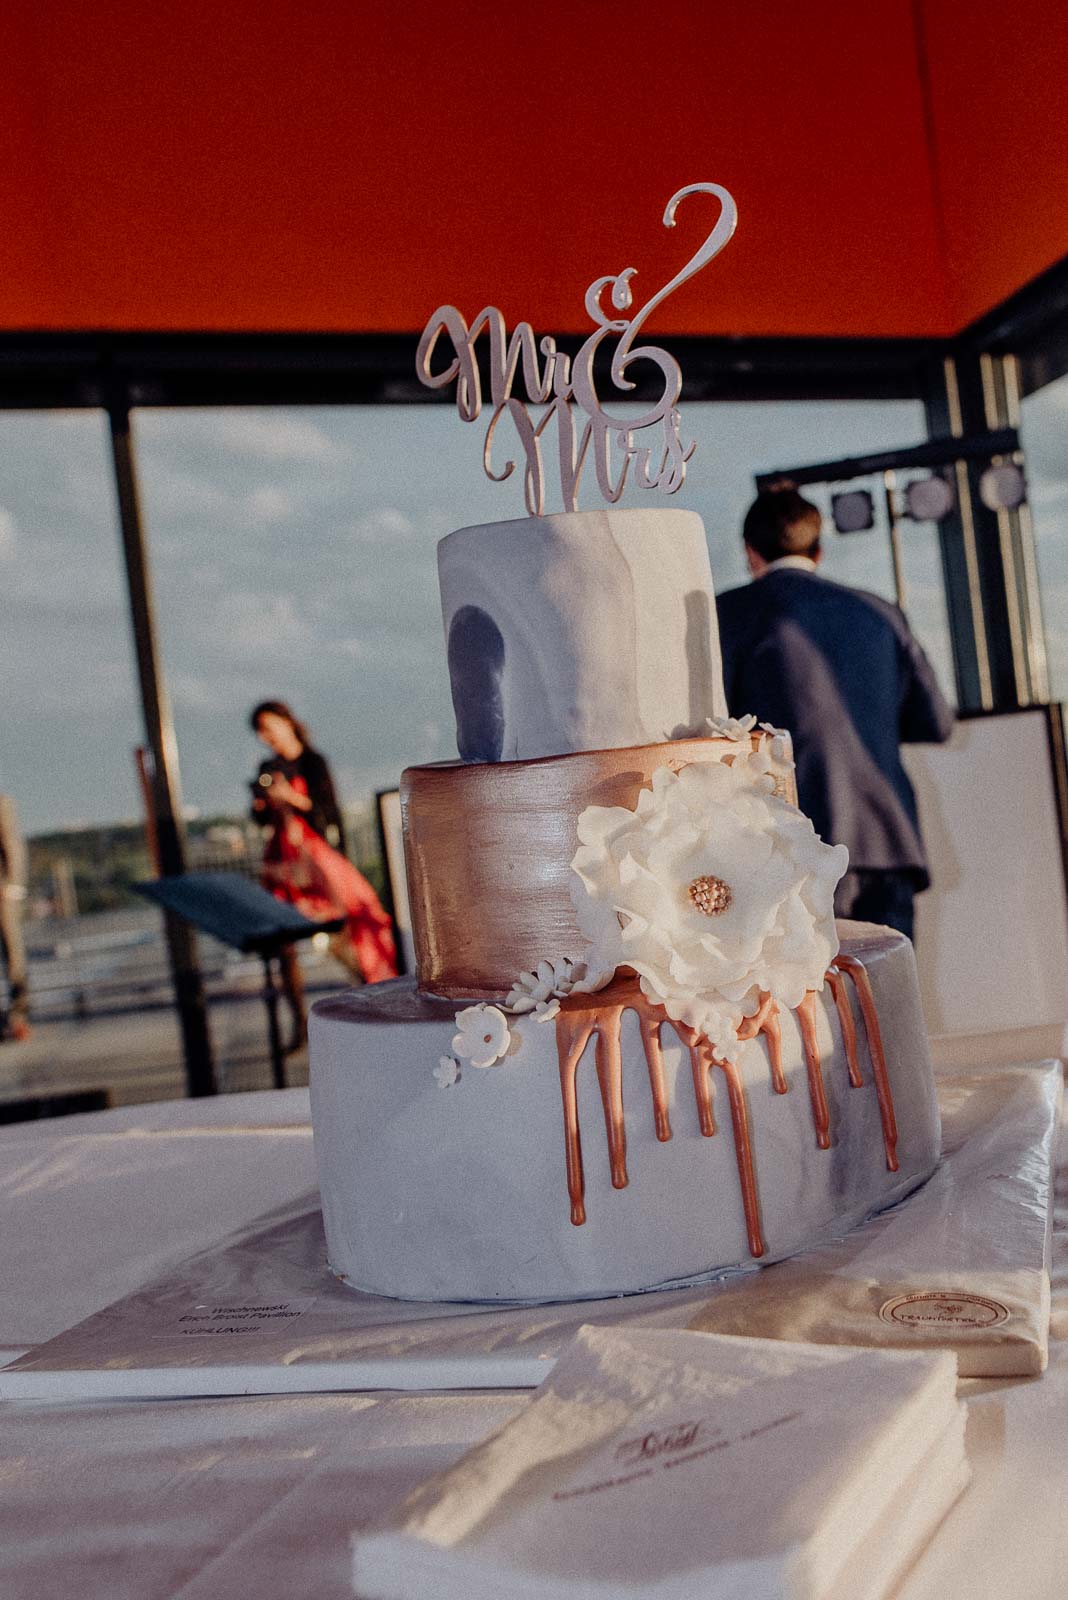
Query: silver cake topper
(561, 384)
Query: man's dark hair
(781, 522)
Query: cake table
(254, 1498)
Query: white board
(992, 932)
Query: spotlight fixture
(1003, 487)
(928, 499)
(853, 511)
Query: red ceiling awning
(899, 165)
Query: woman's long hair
(278, 708)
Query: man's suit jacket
(842, 671)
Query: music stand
(247, 918)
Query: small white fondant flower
(731, 727)
(642, 888)
(447, 1071)
(482, 1037)
(759, 765)
(541, 991)
(780, 747)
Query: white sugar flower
(483, 1036)
(731, 727)
(447, 1071)
(712, 889)
(542, 990)
(758, 766)
(780, 747)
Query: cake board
(963, 1264)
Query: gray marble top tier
(587, 630)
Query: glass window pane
(70, 710)
(925, 600)
(98, 975)
(734, 441)
(1045, 439)
(292, 551)
(294, 558)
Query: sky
(292, 553)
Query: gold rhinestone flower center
(709, 895)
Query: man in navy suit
(841, 669)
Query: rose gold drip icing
(772, 1032)
(654, 1057)
(766, 1021)
(609, 1058)
(702, 1060)
(862, 983)
(600, 1016)
(580, 1018)
(572, 1037)
(806, 1017)
(743, 1145)
(846, 1023)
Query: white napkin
(672, 1464)
(962, 1264)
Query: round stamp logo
(943, 1308)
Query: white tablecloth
(254, 1499)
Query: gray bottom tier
(460, 1192)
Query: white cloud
(269, 503)
(68, 690)
(273, 436)
(259, 435)
(386, 525)
(260, 626)
(352, 649)
(1047, 494)
(182, 492)
(190, 693)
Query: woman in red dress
(304, 862)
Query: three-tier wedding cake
(636, 1049)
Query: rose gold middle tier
(489, 846)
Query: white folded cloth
(674, 1465)
(962, 1264)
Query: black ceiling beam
(44, 369)
(1031, 324)
(211, 369)
(934, 453)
